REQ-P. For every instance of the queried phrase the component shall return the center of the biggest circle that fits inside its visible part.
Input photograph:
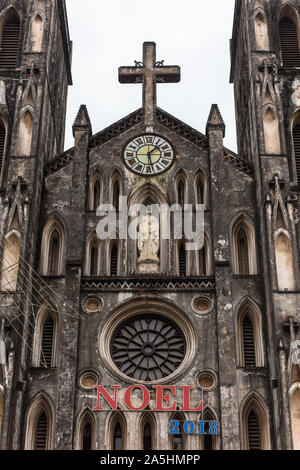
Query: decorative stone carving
(148, 244)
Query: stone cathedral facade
(77, 311)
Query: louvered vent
(2, 143)
(253, 432)
(296, 139)
(47, 342)
(289, 43)
(182, 260)
(10, 43)
(249, 345)
(114, 260)
(41, 432)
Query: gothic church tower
(35, 73)
(266, 76)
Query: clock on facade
(149, 155)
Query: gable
(163, 118)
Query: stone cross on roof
(149, 72)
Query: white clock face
(148, 155)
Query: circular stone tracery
(148, 348)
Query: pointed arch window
(2, 143)
(39, 426)
(255, 425)
(182, 267)
(54, 254)
(296, 144)
(53, 248)
(87, 436)
(86, 431)
(244, 247)
(249, 336)
(177, 441)
(243, 252)
(248, 342)
(209, 442)
(96, 192)
(200, 188)
(46, 357)
(118, 443)
(253, 431)
(147, 436)
(116, 195)
(289, 42)
(36, 33)
(41, 432)
(94, 253)
(10, 262)
(202, 261)
(181, 193)
(114, 259)
(10, 40)
(45, 338)
(25, 133)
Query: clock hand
(155, 148)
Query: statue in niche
(296, 94)
(148, 243)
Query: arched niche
(36, 33)
(284, 262)
(295, 417)
(271, 132)
(261, 32)
(10, 262)
(25, 133)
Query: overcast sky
(192, 33)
